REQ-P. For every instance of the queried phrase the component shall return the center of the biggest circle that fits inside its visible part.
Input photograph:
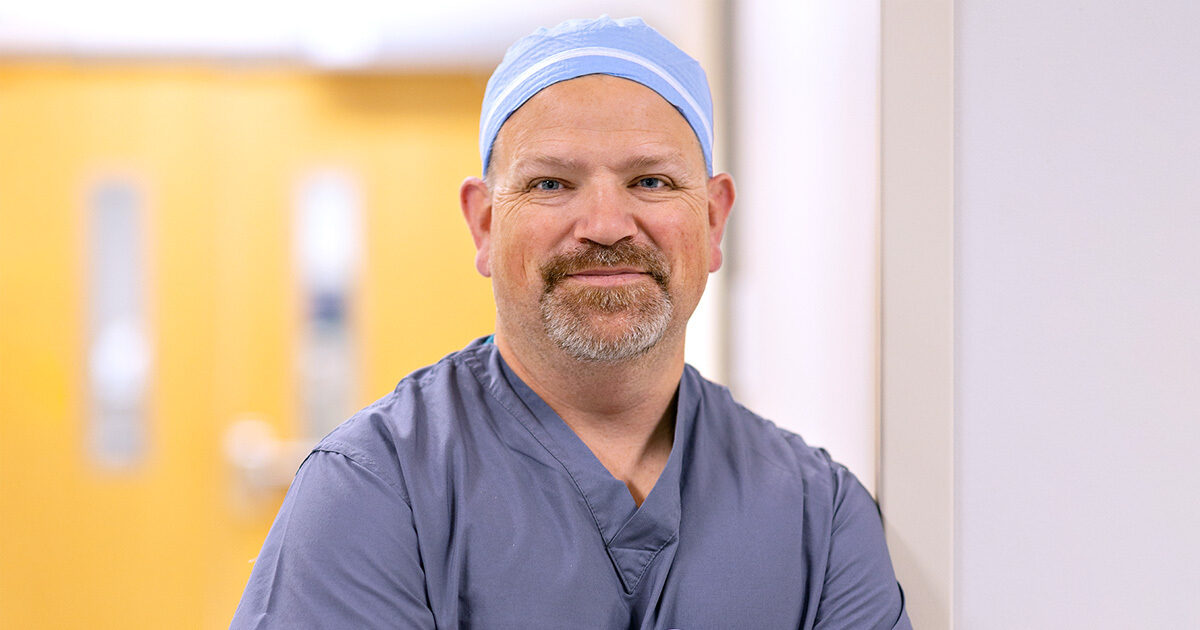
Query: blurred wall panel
(803, 274)
(217, 154)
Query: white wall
(1078, 314)
(803, 267)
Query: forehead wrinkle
(526, 161)
(650, 160)
(654, 160)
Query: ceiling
(451, 34)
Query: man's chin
(606, 323)
(603, 349)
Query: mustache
(594, 255)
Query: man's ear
(476, 202)
(720, 202)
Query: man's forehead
(569, 124)
(626, 48)
(600, 101)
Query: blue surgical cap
(626, 48)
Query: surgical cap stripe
(597, 51)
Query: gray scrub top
(462, 500)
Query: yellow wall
(217, 153)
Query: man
(570, 471)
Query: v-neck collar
(633, 535)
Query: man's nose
(606, 215)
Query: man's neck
(623, 411)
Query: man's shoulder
(418, 414)
(755, 440)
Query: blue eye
(651, 182)
(548, 184)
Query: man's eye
(651, 182)
(548, 184)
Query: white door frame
(917, 470)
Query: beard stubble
(606, 323)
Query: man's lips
(607, 276)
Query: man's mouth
(608, 276)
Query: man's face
(601, 231)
